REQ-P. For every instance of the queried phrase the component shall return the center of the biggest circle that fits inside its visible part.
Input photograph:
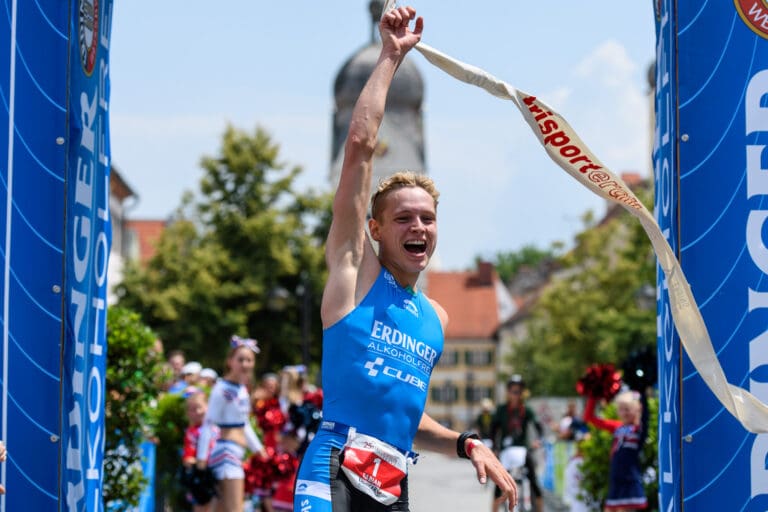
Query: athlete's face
(241, 364)
(406, 229)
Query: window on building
(477, 393)
(478, 357)
(445, 393)
(449, 358)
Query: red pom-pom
(269, 415)
(600, 381)
(284, 464)
(258, 474)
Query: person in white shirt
(229, 408)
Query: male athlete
(382, 336)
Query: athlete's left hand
(488, 466)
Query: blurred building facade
(132, 240)
(478, 304)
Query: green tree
(596, 309)
(236, 259)
(133, 372)
(508, 263)
(170, 423)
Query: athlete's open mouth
(416, 246)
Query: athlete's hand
(395, 32)
(488, 466)
(3, 456)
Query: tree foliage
(508, 263)
(237, 258)
(598, 308)
(133, 373)
(170, 423)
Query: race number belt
(372, 466)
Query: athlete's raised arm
(351, 261)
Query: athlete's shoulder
(442, 314)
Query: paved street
(438, 483)
(442, 484)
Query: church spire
(375, 7)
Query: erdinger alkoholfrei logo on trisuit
(88, 34)
(755, 14)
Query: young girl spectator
(625, 484)
(201, 489)
(229, 408)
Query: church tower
(401, 136)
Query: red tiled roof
(147, 233)
(469, 300)
(632, 179)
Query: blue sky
(181, 70)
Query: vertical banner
(666, 194)
(722, 83)
(33, 96)
(88, 239)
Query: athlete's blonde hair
(400, 180)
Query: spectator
(625, 484)
(199, 483)
(303, 405)
(190, 373)
(207, 378)
(176, 361)
(286, 466)
(259, 472)
(484, 420)
(573, 491)
(571, 426)
(229, 408)
(510, 428)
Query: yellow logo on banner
(755, 15)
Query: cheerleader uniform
(229, 406)
(625, 484)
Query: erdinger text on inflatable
(668, 351)
(756, 117)
(90, 256)
(88, 239)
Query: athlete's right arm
(351, 260)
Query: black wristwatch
(461, 443)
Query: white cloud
(609, 64)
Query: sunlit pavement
(442, 484)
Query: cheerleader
(625, 484)
(229, 408)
